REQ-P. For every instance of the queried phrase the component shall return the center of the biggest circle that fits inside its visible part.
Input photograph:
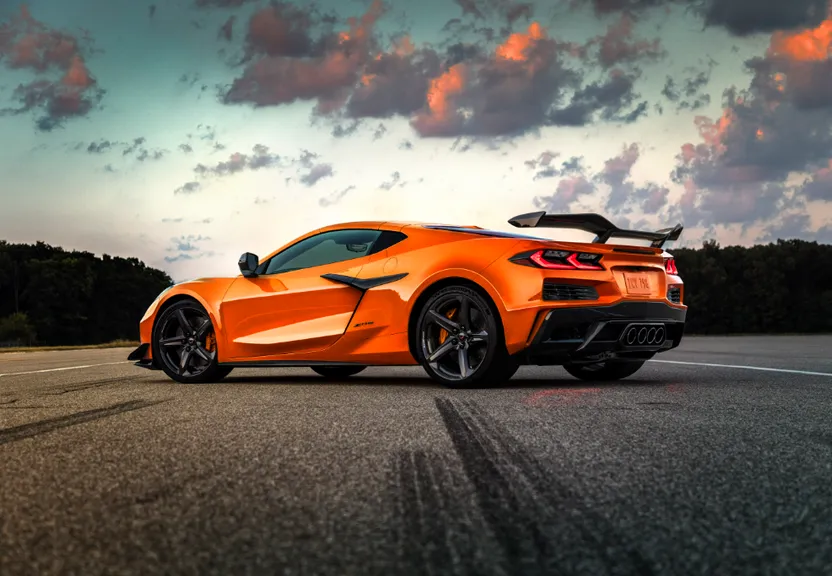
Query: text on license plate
(638, 284)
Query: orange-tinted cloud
(289, 65)
(807, 45)
(518, 45)
(26, 43)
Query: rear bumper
(591, 334)
(142, 356)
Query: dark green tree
(75, 297)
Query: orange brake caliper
(443, 334)
(210, 342)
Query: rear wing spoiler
(595, 223)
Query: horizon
(187, 142)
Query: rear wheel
(185, 344)
(337, 372)
(459, 342)
(604, 371)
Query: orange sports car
(468, 304)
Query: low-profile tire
(337, 372)
(459, 340)
(184, 344)
(605, 371)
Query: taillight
(670, 266)
(563, 260)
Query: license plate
(638, 284)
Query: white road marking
(65, 368)
(742, 367)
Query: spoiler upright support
(596, 224)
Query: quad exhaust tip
(644, 335)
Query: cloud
(188, 188)
(287, 64)
(238, 162)
(188, 248)
(819, 185)
(395, 180)
(314, 171)
(506, 9)
(394, 83)
(544, 159)
(226, 31)
(507, 92)
(777, 129)
(26, 43)
(521, 84)
(568, 191)
(99, 147)
(222, 3)
(335, 197)
(739, 17)
(619, 45)
(688, 93)
(613, 181)
(609, 100)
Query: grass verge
(114, 344)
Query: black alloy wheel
(459, 341)
(337, 372)
(604, 371)
(185, 344)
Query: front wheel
(185, 344)
(459, 342)
(604, 371)
(337, 372)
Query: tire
(181, 343)
(337, 372)
(476, 359)
(604, 371)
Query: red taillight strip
(538, 259)
(670, 267)
(572, 259)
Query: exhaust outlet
(642, 336)
(631, 336)
(660, 335)
(651, 336)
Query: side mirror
(248, 264)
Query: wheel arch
(183, 297)
(431, 288)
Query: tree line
(54, 297)
(765, 289)
(50, 296)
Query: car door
(290, 308)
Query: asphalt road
(684, 468)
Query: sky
(185, 132)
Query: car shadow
(418, 381)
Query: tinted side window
(325, 248)
(387, 239)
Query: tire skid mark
(44, 426)
(65, 389)
(436, 534)
(542, 525)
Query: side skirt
(299, 364)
